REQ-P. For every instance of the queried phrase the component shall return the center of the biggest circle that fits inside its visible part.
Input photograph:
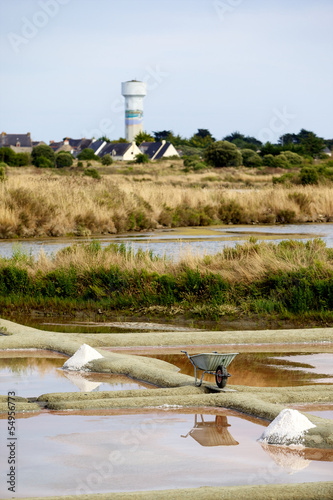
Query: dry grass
(245, 263)
(42, 203)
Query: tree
(143, 137)
(104, 139)
(141, 158)
(87, 154)
(163, 134)
(312, 145)
(223, 154)
(107, 159)
(242, 141)
(42, 151)
(117, 141)
(251, 158)
(64, 159)
(270, 149)
(202, 139)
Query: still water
(90, 453)
(173, 242)
(31, 373)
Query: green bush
(269, 160)
(292, 158)
(88, 154)
(309, 175)
(141, 158)
(42, 162)
(223, 154)
(251, 158)
(107, 160)
(22, 159)
(8, 156)
(92, 172)
(64, 160)
(42, 151)
(3, 167)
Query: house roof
(94, 145)
(115, 149)
(150, 148)
(162, 151)
(7, 140)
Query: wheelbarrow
(213, 363)
(211, 433)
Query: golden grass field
(36, 202)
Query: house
(75, 146)
(327, 151)
(120, 151)
(158, 150)
(20, 143)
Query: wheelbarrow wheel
(221, 376)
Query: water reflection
(211, 432)
(264, 369)
(172, 242)
(30, 375)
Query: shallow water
(172, 242)
(32, 373)
(266, 369)
(81, 454)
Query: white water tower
(134, 92)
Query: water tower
(134, 92)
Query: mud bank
(305, 491)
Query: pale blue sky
(263, 67)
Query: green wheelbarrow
(213, 363)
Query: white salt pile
(287, 428)
(81, 358)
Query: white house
(120, 151)
(158, 150)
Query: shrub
(87, 154)
(292, 158)
(251, 158)
(107, 159)
(92, 172)
(223, 154)
(3, 171)
(268, 160)
(309, 175)
(42, 151)
(42, 162)
(64, 160)
(141, 158)
(8, 156)
(22, 159)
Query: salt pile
(287, 428)
(81, 358)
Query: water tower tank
(134, 92)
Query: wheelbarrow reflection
(212, 433)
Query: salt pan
(82, 356)
(288, 427)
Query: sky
(261, 67)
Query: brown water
(265, 369)
(32, 373)
(90, 454)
